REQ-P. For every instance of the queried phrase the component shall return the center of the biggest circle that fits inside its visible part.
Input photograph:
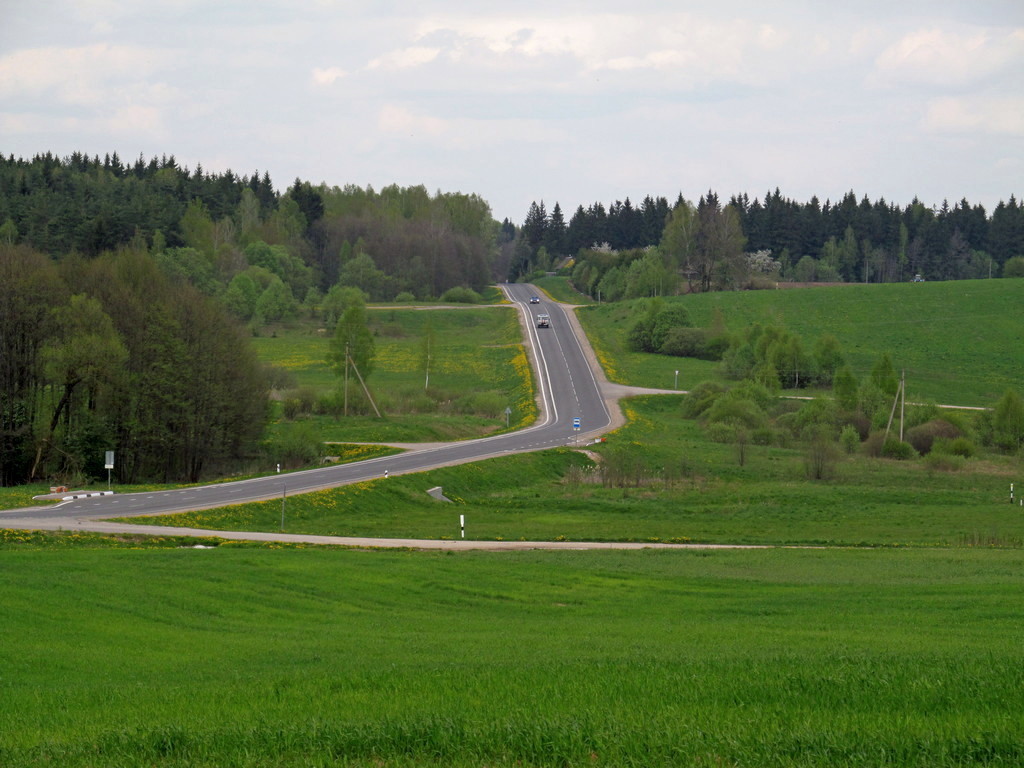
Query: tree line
(112, 353)
(402, 239)
(845, 241)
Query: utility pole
(903, 398)
(346, 378)
(426, 383)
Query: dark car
(535, 299)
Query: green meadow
(689, 490)
(959, 342)
(880, 626)
(477, 369)
(239, 656)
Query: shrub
(958, 446)
(849, 439)
(813, 414)
(331, 404)
(822, 453)
(738, 411)
(297, 445)
(488, 405)
(291, 407)
(718, 432)
(924, 436)
(639, 337)
(894, 448)
(701, 398)
(757, 393)
(405, 298)
(858, 421)
(686, 342)
(944, 462)
(460, 294)
(1008, 421)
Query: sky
(568, 102)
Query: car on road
(543, 321)
(535, 299)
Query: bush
(639, 337)
(849, 439)
(460, 294)
(489, 405)
(813, 414)
(958, 446)
(894, 448)
(858, 421)
(701, 398)
(737, 411)
(297, 445)
(944, 462)
(331, 404)
(686, 342)
(291, 407)
(822, 453)
(924, 436)
(405, 298)
(718, 432)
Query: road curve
(570, 386)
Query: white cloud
(944, 58)
(327, 76)
(393, 118)
(976, 114)
(405, 58)
(135, 121)
(78, 76)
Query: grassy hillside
(478, 367)
(248, 657)
(959, 342)
(689, 489)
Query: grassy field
(478, 367)
(146, 651)
(958, 341)
(559, 289)
(248, 657)
(692, 490)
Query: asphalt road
(568, 389)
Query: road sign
(576, 424)
(108, 462)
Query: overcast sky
(572, 102)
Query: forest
(730, 245)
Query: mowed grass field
(959, 342)
(321, 657)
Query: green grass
(478, 368)
(696, 492)
(560, 289)
(958, 341)
(244, 657)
